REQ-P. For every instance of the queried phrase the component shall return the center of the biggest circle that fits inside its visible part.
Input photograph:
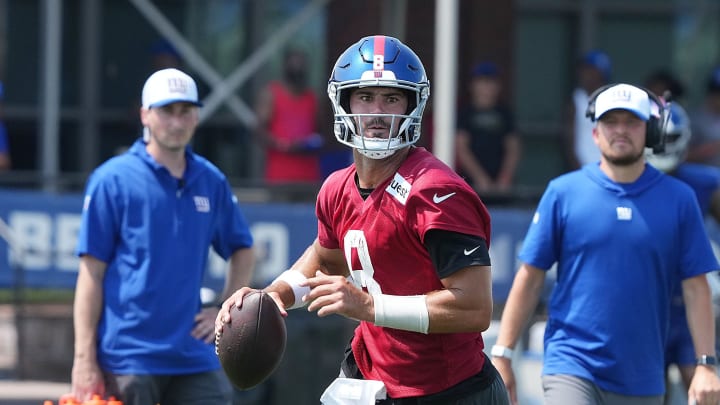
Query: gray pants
(566, 389)
(209, 388)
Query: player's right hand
(87, 380)
(337, 295)
(504, 368)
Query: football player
(402, 245)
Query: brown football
(251, 346)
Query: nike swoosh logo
(469, 252)
(438, 199)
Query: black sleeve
(452, 251)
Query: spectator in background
(287, 124)
(5, 162)
(663, 81)
(705, 143)
(593, 72)
(705, 182)
(163, 55)
(487, 143)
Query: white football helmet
(677, 138)
(379, 61)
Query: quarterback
(402, 244)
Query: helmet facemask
(405, 129)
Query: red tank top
(293, 119)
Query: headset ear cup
(655, 136)
(652, 133)
(662, 128)
(590, 111)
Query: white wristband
(294, 279)
(406, 312)
(501, 351)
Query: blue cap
(164, 47)
(487, 69)
(713, 83)
(598, 60)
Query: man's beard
(627, 160)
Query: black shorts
(487, 379)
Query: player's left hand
(204, 328)
(336, 295)
(704, 387)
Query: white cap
(623, 97)
(169, 86)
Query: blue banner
(38, 233)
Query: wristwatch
(706, 360)
(501, 351)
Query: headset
(656, 131)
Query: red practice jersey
(382, 239)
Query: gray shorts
(562, 389)
(209, 388)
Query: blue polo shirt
(154, 232)
(619, 250)
(704, 180)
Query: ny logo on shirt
(624, 213)
(202, 204)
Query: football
(251, 346)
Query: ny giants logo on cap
(177, 85)
(379, 56)
(620, 94)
